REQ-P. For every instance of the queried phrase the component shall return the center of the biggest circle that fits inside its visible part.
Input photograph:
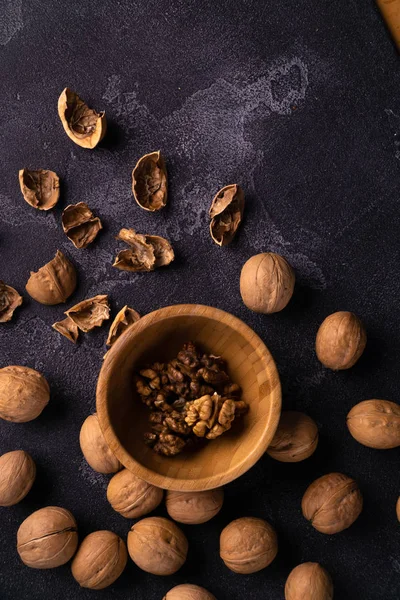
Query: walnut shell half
(80, 225)
(187, 591)
(95, 448)
(24, 393)
(90, 313)
(132, 497)
(194, 508)
(17, 474)
(295, 439)
(54, 282)
(100, 560)
(146, 252)
(248, 545)
(309, 581)
(226, 213)
(9, 301)
(124, 319)
(40, 189)
(82, 124)
(341, 340)
(149, 182)
(375, 423)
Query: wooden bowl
(159, 336)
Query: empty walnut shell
(17, 474)
(90, 313)
(226, 213)
(100, 560)
(187, 591)
(248, 545)
(54, 282)
(80, 224)
(40, 189)
(149, 182)
(156, 545)
(68, 329)
(132, 497)
(47, 538)
(194, 508)
(332, 503)
(95, 449)
(24, 393)
(82, 124)
(146, 252)
(341, 339)
(9, 301)
(295, 439)
(375, 423)
(124, 319)
(309, 581)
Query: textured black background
(298, 102)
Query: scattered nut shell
(226, 213)
(187, 591)
(375, 423)
(90, 313)
(266, 283)
(132, 497)
(68, 329)
(341, 340)
(95, 449)
(146, 252)
(309, 581)
(149, 182)
(295, 439)
(156, 545)
(80, 224)
(194, 508)
(248, 545)
(124, 319)
(9, 301)
(100, 560)
(17, 474)
(47, 538)
(40, 189)
(332, 503)
(54, 282)
(82, 124)
(24, 393)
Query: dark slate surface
(300, 104)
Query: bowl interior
(158, 337)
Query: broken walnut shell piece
(82, 124)
(226, 213)
(80, 224)
(68, 329)
(146, 252)
(40, 189)
(90, 313)
(10, 299)
(54, 282)
(149, 182)
(124, 319)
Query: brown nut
(54, 282)
(194, 508)
(187, 591)
(132, 497)
(146, 252)
(80, 225)
(332, 503)
(40, 189)
(149, 182)
(68, 329)
(9, 301)
(90, 313)
(266, 283)
(248, 545)
(295, 439)
(17, 474)
(398, 509)
(100, 560)
(341, 340)
(375, 423)
(124, 319)
(95, 449)
(156, 545)
(82, 124)
(309, 581)
(226, 213)
(24, 393)
(47, 538)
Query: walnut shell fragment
(146, 252)
(80, 224)
(9, 301)
(68, 329)
(40, 189)
(226, 213)
(149, 182)
(90, 313)
(124, 319)
(54, 282)
(82, 124)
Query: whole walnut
(95, 449)
(266, 283)
(309, 581)
(194, 508)
(295, 439)
(375, 423)
(23, 394)
(332, 503)
(54, 282)
(132, 497)
(156, 545)
(341, 339)
(248, 545)
(100, 560)
(187, 591)
(47, 538)
(17, 474)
